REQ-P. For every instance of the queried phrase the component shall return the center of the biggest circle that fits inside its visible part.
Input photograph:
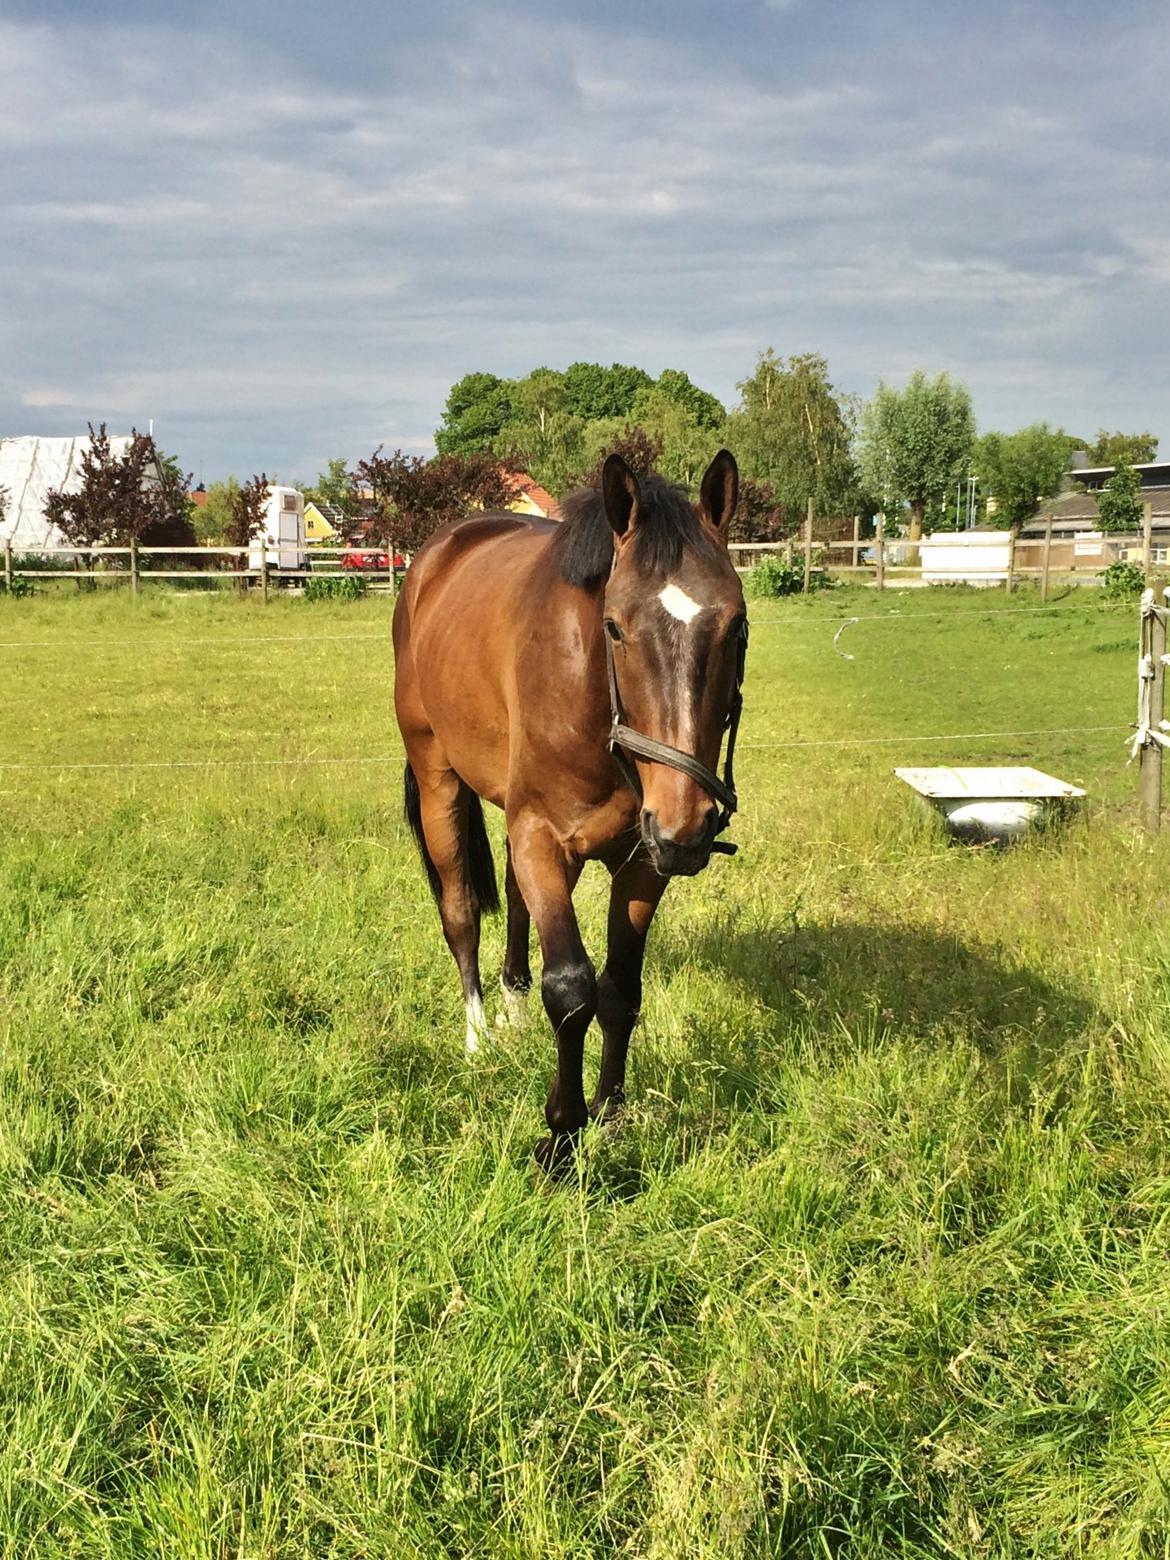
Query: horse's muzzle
(672, 857)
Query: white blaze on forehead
(679, 604)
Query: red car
(359, 558)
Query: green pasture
(877, 1265)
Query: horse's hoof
(609, 1111)
(554, 1154)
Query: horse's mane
(667, 524)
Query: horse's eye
(613, 630)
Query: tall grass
(876, 1265)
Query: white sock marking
(678, 603)
(511, 1013)
(476, 1025)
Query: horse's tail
(481, 869)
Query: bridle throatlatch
(624, 740)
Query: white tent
(29, 469)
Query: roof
(1078, 511)
(520, 483)
(1153, 473)
(32, 467)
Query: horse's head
(674, 613)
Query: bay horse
(580, 675)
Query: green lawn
(878, 1264)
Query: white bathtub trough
(997, 805)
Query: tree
(213, 519)
(248, 517)
(335, 486)
(135, 496)
(1019, 469)
(640, 450)
(794, 430)
(593, 391)
(916, 443)
(1119, 504)
(413, 497)
(477, 408)
(759, 514)
(708, 413)
(1122, 449)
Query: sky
(283, 231)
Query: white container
(965, 557)
(284, 531)
(992, 805)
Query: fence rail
(875, 558)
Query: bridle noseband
(624, 740)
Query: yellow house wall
(317, 528)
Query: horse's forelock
(668, 525)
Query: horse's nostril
(650, 833)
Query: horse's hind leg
(449, 812)
(516, 976)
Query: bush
(20, 587)
(773, 576)
(1123, 581)
(352, 588)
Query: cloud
(211, 222)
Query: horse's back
(461, 614)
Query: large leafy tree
(1119, 503)
(477, 408)
(1020, 469)
(411, 497)
(794, 430)
(593, 391)
(705, 411)
(1122, 449)
(916, 442)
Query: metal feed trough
(992, 805)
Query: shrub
(1123, 581)
(774, 576)
(20, 587)
(352, 588)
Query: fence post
(855, 550)
(880, 551)
(788, 552)
(8, 566)
(808, 520)
(264, 568)
(1147, 539)
(1047, 556)
(134, 565)
(1010, 582)
(390, 567)
(1151, 707)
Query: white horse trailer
(284, 531)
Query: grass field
(877, 1264)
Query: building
(1077, 541)
(529, 498)
(324, 522)
(30, 469)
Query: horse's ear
(719, 493)
(619, 489)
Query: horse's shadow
(759, 1001)
(847, 985)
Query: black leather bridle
(624, 740)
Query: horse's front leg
(547, 876)
(633, 899)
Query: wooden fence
(875, 558)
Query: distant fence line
(877, 559)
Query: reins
(624, 739)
